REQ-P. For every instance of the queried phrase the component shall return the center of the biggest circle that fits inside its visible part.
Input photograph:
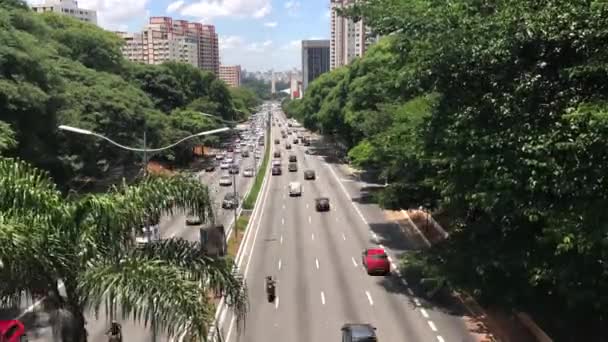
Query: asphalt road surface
(316, 259)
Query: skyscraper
(349, 39)
(315, 60)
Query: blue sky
(257, 34)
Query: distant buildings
(231, 75)
(67, 7)
(349, 39)
(315, 60)
(164, 39)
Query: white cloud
(292, 45)
(230, 42)
(271, 24)
(116, 14)
(292, 7)
(227, 8)
(174, 6)
(326, 14)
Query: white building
(348, 39)
(67, 7)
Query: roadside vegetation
(249, 202)
(57, 70)
(492, 113)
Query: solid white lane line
(440, 339)
(317, 263)
(369, 298)
(432, 325)
(346, 193)
(417, 302)
(282, 221)
(322, 298)
(424, 313)
(381, 246)
(410, 292)
(389, 259)
(343, 237)
(276, 303)
(313, 236)
(281, 240)
(309, 219)
(280, 264)
(354, 262)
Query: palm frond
(148, 290)
(217, 274)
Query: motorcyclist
(115, 332)
(270, 285)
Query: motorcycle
(270, 289)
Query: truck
(12, 331)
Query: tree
(87, 243)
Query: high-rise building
(67, 7)
(349, 39)
(231, 74)
(164, 39)
(315, 60)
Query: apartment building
(231, 75)
(164, 39)
(348, 39)
(67, 7)
(315, 60)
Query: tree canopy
(493, 113)
(57, 70)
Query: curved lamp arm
(230, 122)
(87, 132)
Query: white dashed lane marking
(424, 313)
(317, 263)
(354, 261)
(432, 325)
(343, 237)
(313, 237)
(322, 298)
(369, 298)
(280, 264)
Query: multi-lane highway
(170, 227)
(316, 259)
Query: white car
(276, 162)
(237, 150)
(219, 156)
(295, 189)
(224, 165)
(229, 160)
(248, 172)
(226, 180)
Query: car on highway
(230, 160)
(231, 201)
(234, 170)
(192, 219)
(310, 175)
(225, 180)
(237, 150)
(295, 189)
(245, 154)
(293, 158)
(210, 168)
(322, 203)
(295, 141)
(276, 171)
(276, 162)
(224, 165)
(277, 141)
(375, 261)
(248, 172)
(277, 154)
(219, 156)
(292, 167)
(12, 331)
(358, 332)
(288, 146)
(230, 149)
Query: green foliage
(495, 113)
(56, 70)
(7, 137)
(87, 242)
(260, 88)
(249, 202)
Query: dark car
(277, 154)
(277, 141)
(230, 201)
(293, 158)
(276, 170)
(210, 168)
(306, 142)
(234, 170)
(309, 174)
(322, 204)
(288, 146)
(230, 149)
(357, 332)
(292, 167)
(295, 141)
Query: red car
(375, 261)
(12, 331)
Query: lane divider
(354, 262)
(322, 298)
(276, 303)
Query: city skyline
(256, 34)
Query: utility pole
(145, 151)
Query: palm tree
(87, 243)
